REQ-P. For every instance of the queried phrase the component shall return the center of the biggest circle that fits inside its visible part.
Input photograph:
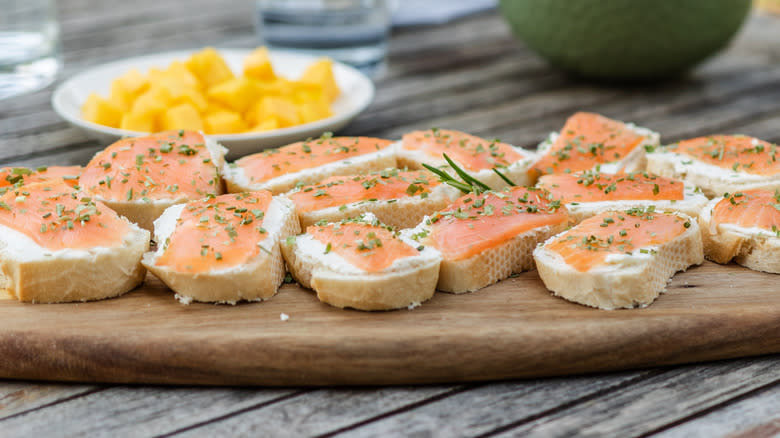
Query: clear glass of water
(29, 46)
(351, 31)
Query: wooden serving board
(510, 330)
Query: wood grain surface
(509, 330)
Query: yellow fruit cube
(257, 65)
(133, 82)
(237, 94)
(223, 122)
(177, 72)
(120, 97)
(101, 111)
(267, 125)
(141, 122)
(209, 66)
(182, 116)
(284, 110)
(152, 102)
(321, 73)
(312, 111)
(180, 92)
(278, 87)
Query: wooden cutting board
(510, 330)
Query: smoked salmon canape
(487, 237)
(476, 156)
(19, 176)
(308, 162)
(619, 259)
(744, 227)
(590, 192)
(139, 177)
(720, 163)
(223, 249)
(591, 141)
(362, 264)
(397, 198)
(58, 244)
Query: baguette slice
(399, 199)
(719, 163)
(223, 249)
(486, 238)
(745, 227)
(619, 259)
(58, 245)
(589, 193)
(589, 140)
(361, 264)
(474, 155)
(307, 162)
(139, 177)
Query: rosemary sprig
(504, 177)
(469, 183)
(447, 179)
(468, 179)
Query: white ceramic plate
(357, 92)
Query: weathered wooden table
(469, 75)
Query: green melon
(625, 39)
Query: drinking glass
(351, 31)
(29, 46)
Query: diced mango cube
(313, 110)
(267, 125)
(177, 72)
(282, 109)
(321, 73)
(180, 92)
(152, 102)
(101, 111)
(133, 82)
(209, 66)
(223, 122)
(257, 65)
(237, 94)
(120, 97)
(182, 116)
(141, 122)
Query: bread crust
(257, 280)
(669, 164)
(82, 276)
(760, 252)
(636, 285)
(366, 291)
(237, 182)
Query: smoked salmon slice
(588, 193)
(590, 140)
(487, 237)
(745, 227)
(19, 176)
(141, 176)
(720, 163)
(363, 264)
(59, 244)
(477, 156)
(223, 248)
(281, 169)
(619, 259)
